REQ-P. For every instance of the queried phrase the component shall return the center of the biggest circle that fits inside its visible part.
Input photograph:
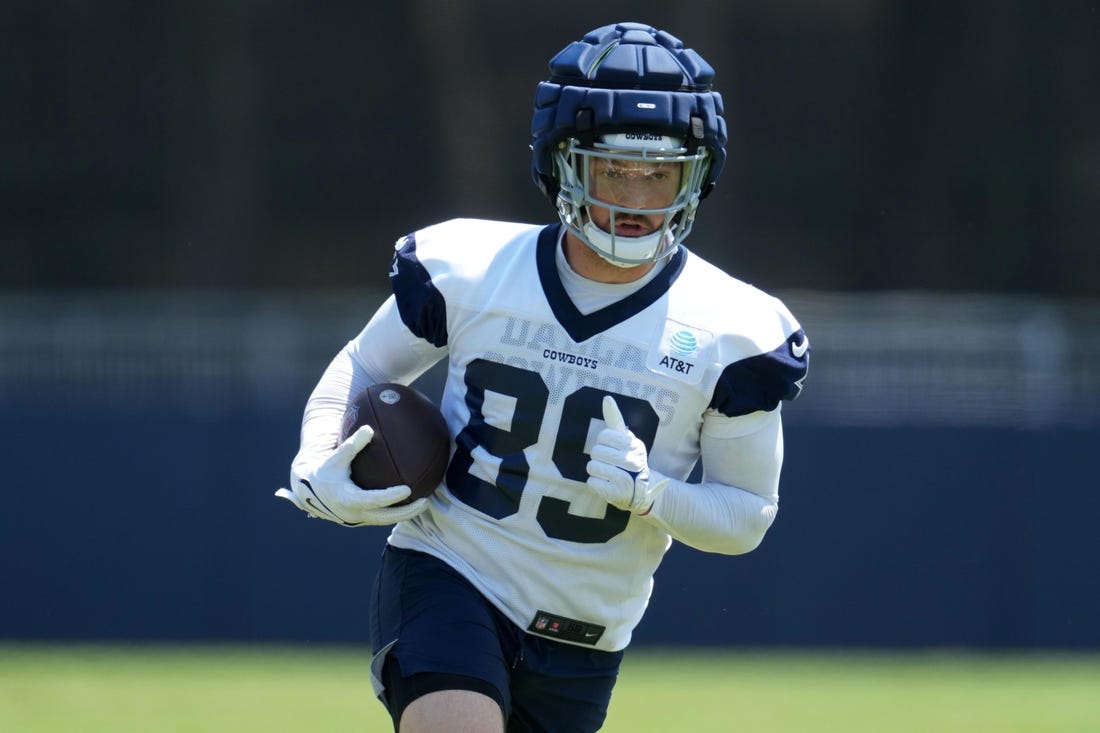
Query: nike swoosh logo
(322, 506)
(799, 350)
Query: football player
(590, 364)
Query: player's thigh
(432, 632)
(455, 711)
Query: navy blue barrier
(158, 523)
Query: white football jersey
(526, 377)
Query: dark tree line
(874, 145)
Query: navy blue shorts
(446, 636)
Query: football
(411, 443)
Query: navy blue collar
(579, 326)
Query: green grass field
(48, 689)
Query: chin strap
(647, 248)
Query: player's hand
(619, 469)
(325, 490)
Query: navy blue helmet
(627, 95)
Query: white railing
(878, 359)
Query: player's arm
(320, 475)
(728, 512)
(736, 503)
(741, 446)
(384, 351)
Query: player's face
(632, 184)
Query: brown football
(411, 443)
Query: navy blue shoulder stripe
(579, 326)
(422, 307)
(761, 382)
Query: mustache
(623, 218)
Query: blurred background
(197, 207)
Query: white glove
(619, 469)
(326, 490)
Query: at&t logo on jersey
(684, 343)
(682, 346)
(680, 352)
